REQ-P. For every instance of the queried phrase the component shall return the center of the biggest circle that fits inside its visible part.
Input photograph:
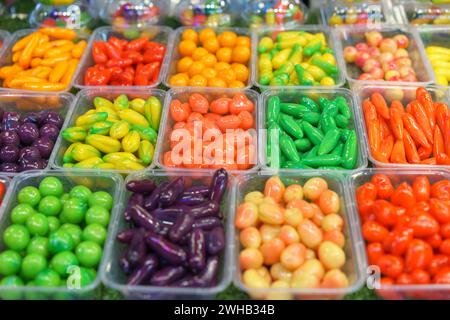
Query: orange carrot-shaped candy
(396, 122)
(424, 153)
(410, 148)
(442, 114)
(425, 99)
(386, 148)
(380, 105)
(438, 143)
(398, 152)
(398, 106)
(414, 130)
(421, 117)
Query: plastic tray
(114, 277)
(6, 57)
(290, 95)
(162, 34)
(24, 102)
(83, 102)
(175, 56)
(390, 93)
(350, 35)
(404, 11)
(429, 291)
(353, 249)
(5, 37)
(435, 36)
(331, 42)
(382, 7)
(6, 180)
(182, 94)
(112, 183)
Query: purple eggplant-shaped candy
(190, 199)
(208, 275)
(171, 192)
(136, 199)
(144, 271)
(167, 275)
(50, 117)
(186, 282)
(31, 117)
(215, 241)
(29, 154)
(166, 249)
(50, 131)
(151, 201)
(9, 153)
(9, 137)
(197, 250)
(126, 236)
(207, 223)
(9, 167)
(197, 190)
(44, 145)
(218, 185)
(124, 264)
(182, 226)
(137, 249)
(28, 132)
(144, 219)
(204, 210)
(141, 186)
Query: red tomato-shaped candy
(373, 231)
(421, 188)
(438, 262)
(365, 196)
(443, 276)
(239, 103)
(374, 252)
(440, 210)
(198, 103)
(385, 213)
(403, 196)
(398, 241)
(420, 276)
(220, 106)
(423, 225)
(418, 255)
(441, 190)
(385, 189)
(390, 265)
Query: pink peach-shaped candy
(409, 78)
(370, 64)
(404, 71)
(392, 75)
(401, 40)
(362, 46)
(386, 57)
(365, 76)
(401, 53)
(350, 54)
(361, 57)
(377, 73)
(391, 65)
(388, 45)
(403, 62)
(373, 38)
(374, 52)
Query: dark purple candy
(182, 226)
(51, 117)
(9, 167)
(207, 223)
(31, 117)
(167, 275)
(141, 186)
(44, 145)
(9, 153)
(124, 264)
(50, 131)
(25, 165)
(144, 271)
(209, 273)
(171, 192)
(176, 255)
(197, 251)
(218, 185)
(126, 236)
(144, 219)
(136, 250)
(215, 241)
(10, 121)
(9, 137)
(28, 133)
(29, 154)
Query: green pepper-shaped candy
(280, 80)
(311, 153)
(287, 68)
(121, 102)
(325, 66)
(288, 124)
(343, 107)
(273, 109)
(303, 145)
(88, 120)
(312, 47)
(296, 55)
(350, 152)
(296, 165)
(74, 134)
(327, 123)
(287, 147)
(329, 107)
(338, 149)
(322, 160)
(312, 118)
(101, 127)
(293, 109)
(301, 76)
(313, 134)
(265, 44)
(146, 133)
(310, 104)
(341, 121)
(329, 142)
(345, 134)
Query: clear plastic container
(405, 94)
(115, 279)
(351, 35)
(75, 15)
(4, 39)
(288, 13)
(175, 56)
(6, 58)
(331, 43)
(128, 14)
(436, 36)
(111, 183)
(359, 13)
(6, 180)
(422, 13)
(211, 13)
(353, 248)
(183, 94)
(290, 95)
(399, 292)
(84, 102)
(25, 102)
(159, 34)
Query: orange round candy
(212, 45)
(206, 34)
(241, 54)
(219, 66)
(243, 41)
(196, 68)
(224, 54)
(209, 73)
(199, 53)
(184, 63)
(179, 79)
(209, 60)
(228, 75)
(190, 34)
(241, 71)
(217, 82)
(198, 81)
(186, 47)
(236, 84)
(227, 39)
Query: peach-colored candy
(304, 207)
(274, 188)
(310, 234)
(269, 232)
(279, 272)
(335, 236)
(270, 213)
(250, 258)
(264, 272)
(331, 222)
(293, 217)
(306, 281)
(250, 238)
(335, 279)
(314, 187)
(271, 251)
(293, 256)
(329, 202)
(310, 254)
(293, 192)
(318, 215)
(289, 235)
(246, 215)
(312, 266)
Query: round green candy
(11, 281)
(98, 215)
(53, 223)
(51, 186)
(50, 206)
(21, 213)
(47, 278)
(95, 233)
(74, 231)
(101, 199)
(33, 295)
(81, 192)
(74, 210)
(64, 198)
(10, 262)
(37, 224)
(89, 254)
(38, 245)
(60, 241)
(29, 195)
(33, 264)
(16, 237)
(62, 261)
(87, 276)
